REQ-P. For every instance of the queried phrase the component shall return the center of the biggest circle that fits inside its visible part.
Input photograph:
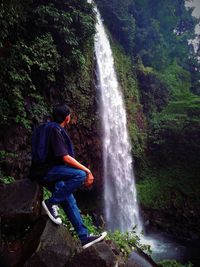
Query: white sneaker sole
(103, 235)
(56, 221)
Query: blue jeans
(62, 181)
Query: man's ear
(67, 119)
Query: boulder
(19, 212)
(139, 259)
(16, 250)
(56, 246)
(120, 257)
(10, 253)
(98, 255)
(20, 202)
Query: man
(64, 174)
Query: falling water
(121, 208)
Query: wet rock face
(88, 148)
(20, 201)
(182, 224)
(139, 259)
(19, 210)
(55, 247)
(16, 142)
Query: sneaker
(92, 239)
(52, 212)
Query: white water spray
(121, 208)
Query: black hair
(60, 111)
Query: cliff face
(84, 131)
(46, 57)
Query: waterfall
(120, 201)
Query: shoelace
(55, 210)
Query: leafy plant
(173, 263)
(7, 179)
(128, 241)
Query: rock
(98, 255)
(15, 252)
(179, 223)
(19, 209)
(56, 246)
(139, 259)
(120, 257)
(20, 201)
(11, 253)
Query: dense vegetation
(168, 77)
(40, 42)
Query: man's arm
(74, 163)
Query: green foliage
(171, 185)
(12, 16)
(151, 46)
(122, 24)
(39, 42)
(7, 179)
(186, 105)
(46, 194)
(81, 94)
(163, 29)
(159, 35)
(173, 263)
(128, 241)
(174, 132)
(177, 79)
(71, 28)
(90, 225)
(154, 193)
(154, 93)
(25, 64)
(4, 155)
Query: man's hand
(70, 161)
(89, 180)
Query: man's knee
(60, 186)
(81, 175)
